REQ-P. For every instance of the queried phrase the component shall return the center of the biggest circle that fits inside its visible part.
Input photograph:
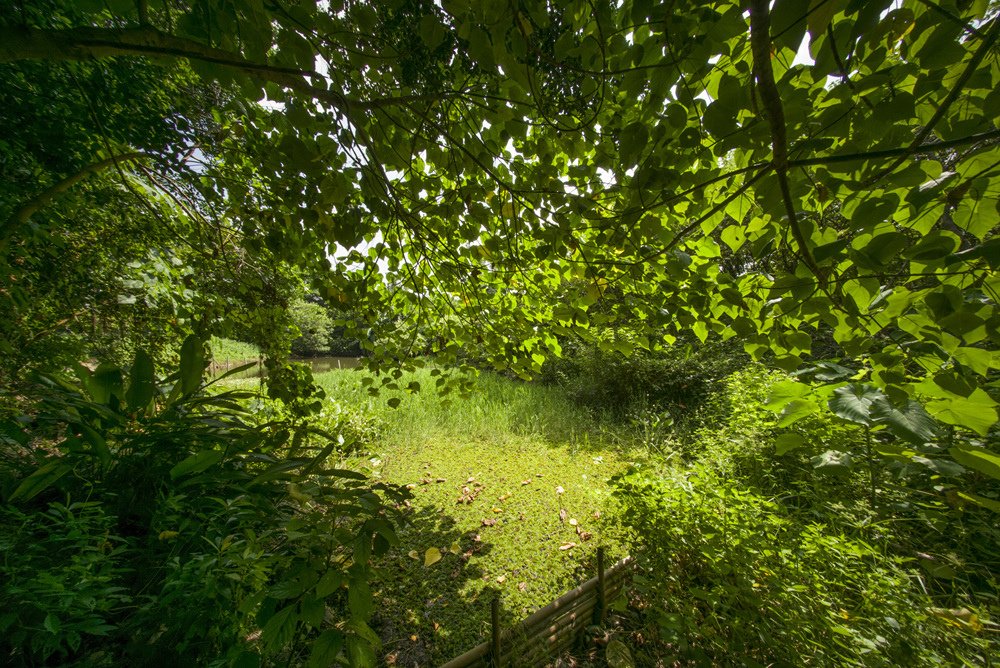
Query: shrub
(728, 572)
(315, 328)
(205, 538)
(677, 379)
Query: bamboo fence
(551, 630)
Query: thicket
(153, 519)
(754, 554)
(674, 381)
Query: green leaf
(279, 628)
(853, 402)
(40, 480)
(325, 649)
(940, 466)
(233, 371)
(992, 504)
(618, 655)
(910, 423)
(192, 363)
(312, 611)
(821, 13)
(329, 583)
(196, 463)
(97, 440)
(51, 623)
(787, 442)
(106, 382)
(796, 410)
(976, 412)
(142, 384)
(359, 599)
(360, 652)
(977, 359)
(977, 459)
(784, 392)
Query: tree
(477, 156)
(314, 327)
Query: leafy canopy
(817, 178)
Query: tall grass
(496, 410)
(229, 350)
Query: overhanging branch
(28, 209)
(20, 43)
(760, 43)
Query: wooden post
(495, 621)
(602, 594)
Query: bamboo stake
(495, 621)
(602, 592)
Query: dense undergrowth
(750, 558)
(152, 518)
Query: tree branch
(19, 43)
(905, 152)
(970, 68)
(28, 209)
(760, 43)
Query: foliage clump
(780, 560)
(149, 519)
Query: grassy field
(228, 350)
(509, 491)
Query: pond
(317, 364)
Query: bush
(205, 539)
(768, 558)
(62, 574)
(731, 573)
(315, 327)
(677, 379)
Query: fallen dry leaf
(567, 546)
(521, 586)
(585, 535)
(597, 514)
(441, 480)
(471, 479)
(572, 522)
(560, 490)
(411, 486)
(526, 482)
(432, 556)
(505, 497)
(501, 579)
(496, 510)
(562, 514)
(538, 475)
(489, 521)
(413, 638)
(413, 554)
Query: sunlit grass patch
(509, 486)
